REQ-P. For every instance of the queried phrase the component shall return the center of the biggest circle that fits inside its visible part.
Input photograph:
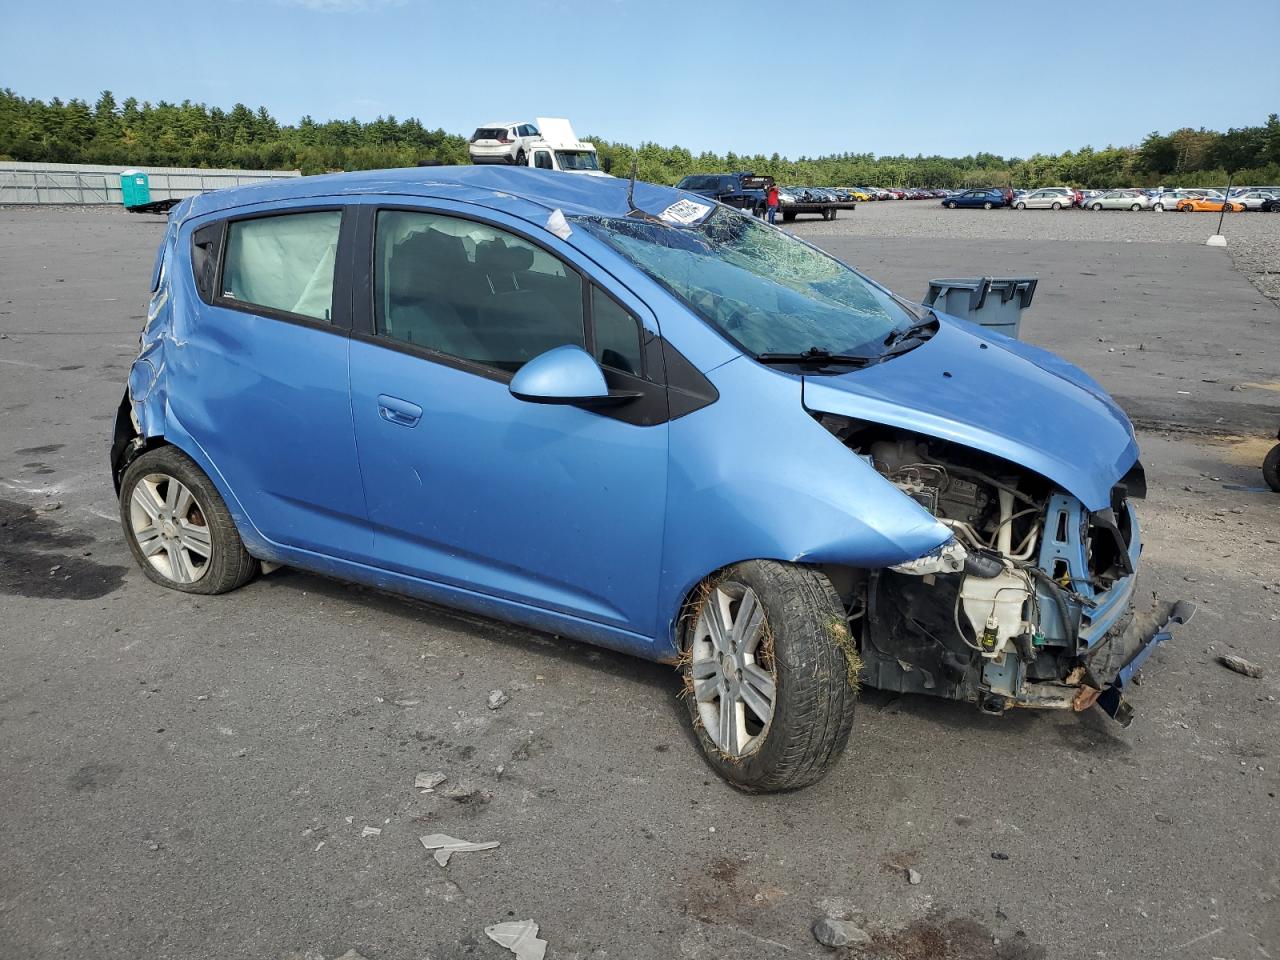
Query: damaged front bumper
(1111, 667)
(1087, 641)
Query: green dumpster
(136, 187)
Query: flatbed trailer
(827, 211)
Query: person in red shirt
(771, 202)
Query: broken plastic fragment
(520, 937)
(557, 224)
(427, 782)
(371, 832)
(446, 846)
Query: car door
(553, 506)
(258, 373)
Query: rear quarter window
(284, 263)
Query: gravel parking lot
(1253, 239)
(191, 777)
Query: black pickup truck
(745, 191)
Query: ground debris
(831, 932)
(352, 955)
(1241, 665)
(520, 937)
(371, 832)
(496, 699)
(427, 782)
(913, 876)
(446, 846)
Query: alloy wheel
(733, 670)
(170, 528)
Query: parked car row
(1186, 200)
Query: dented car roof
(521, 191)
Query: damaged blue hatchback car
(624, 414)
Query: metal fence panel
(56, 183)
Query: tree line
(189, 134)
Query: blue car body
(339, 454)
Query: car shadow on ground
(1090, 732)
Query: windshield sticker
(685, 212)
(557, 224)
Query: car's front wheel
(1097, 206)
(1158, 207)
(987, 205)
(520, 158)
(1020, 205)
(178, 527)
(771, 674)
(951, 205)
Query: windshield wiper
(913, 332)
(817, 357)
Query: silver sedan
(1119, 200)
(1046, 198)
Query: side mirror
(608, 164)
(567, 375)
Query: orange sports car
(1189, 204)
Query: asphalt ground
(190, 777)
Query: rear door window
(283, 263)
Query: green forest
(195, 135)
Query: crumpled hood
(998, 395)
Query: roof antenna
(632, 209)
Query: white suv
(508, 142)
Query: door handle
(395, 410)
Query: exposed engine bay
(1029, 604)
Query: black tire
(1158, 207)
(951, 204)
(1019, 205)
(987, 205)
(815, 669)
(1055, 205)
(520, 158)
(1136, 207)
(229, 565)
(1096, 207)
(1271, 468)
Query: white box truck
(558, 148)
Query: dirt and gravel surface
(191, 777)
(1253, 239)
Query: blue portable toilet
(135, 187)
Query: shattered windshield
(577, 160)
(767, 291)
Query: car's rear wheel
(1136, 206)
(178, 527)
(1158, 207)
(1055, 205)
(1271, 468)
(1096, 206)
(771, 674)
(987, 205)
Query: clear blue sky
(800, 77)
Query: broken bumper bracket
(1111, 700)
